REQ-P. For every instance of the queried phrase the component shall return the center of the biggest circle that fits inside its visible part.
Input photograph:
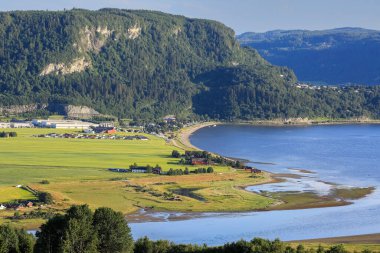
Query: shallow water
(347, 155)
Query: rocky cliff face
(19, 109)
(83, 112)
(78, 65)
(71, 111)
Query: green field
(9, 193)
(77, 172)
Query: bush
(45, 197)
(176, 154)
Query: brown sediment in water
(363, 239)
(303, 171)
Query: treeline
(81, 230)
(7, 134)
(186, 171)
(205, 157)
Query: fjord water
(347, 155)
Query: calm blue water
(345, 154)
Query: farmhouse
(2, 207)
(107, 124)
(199, 161)
(108, 130)
(119, 170)
(157, 171)
(169, 118)
(252, 170)
(139, 169)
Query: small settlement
(104, 136)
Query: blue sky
(241, 15)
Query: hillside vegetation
(143, 64)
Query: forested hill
(337, 56)
(147, 64)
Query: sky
(241, 15)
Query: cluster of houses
(17, 206)
(137, 169)
(57, 124)
(63, 124)
(18, 124)
(93, 136)
(314, 87)
(252, 170)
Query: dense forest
(80, 230)
(337, 56)
(144, 64)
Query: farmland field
(76, 170)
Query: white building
(21, 124)
(5, 125)
(64, 124)
(2, 207)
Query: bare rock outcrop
(93, 39)
(83, 112)
(177, 31)
(18, 109)
(134, 32)
(78, 65)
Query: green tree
(79, 236)
(25, 241)
(50, 236)
(144, 245)
(114, 234)
(337, 249)
(45, 197)
(176, 154)
(8, 239)
(14, 240)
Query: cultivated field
(76, 170)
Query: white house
(2, 207)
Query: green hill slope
(147, 64)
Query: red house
(198, 161)
(111, 131)
(252, 170)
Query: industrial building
(63, 124)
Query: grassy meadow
(77, 173)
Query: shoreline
(307, 122)
(182, 139)
(183, 135)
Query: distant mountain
(337, 56)
(146, 64)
